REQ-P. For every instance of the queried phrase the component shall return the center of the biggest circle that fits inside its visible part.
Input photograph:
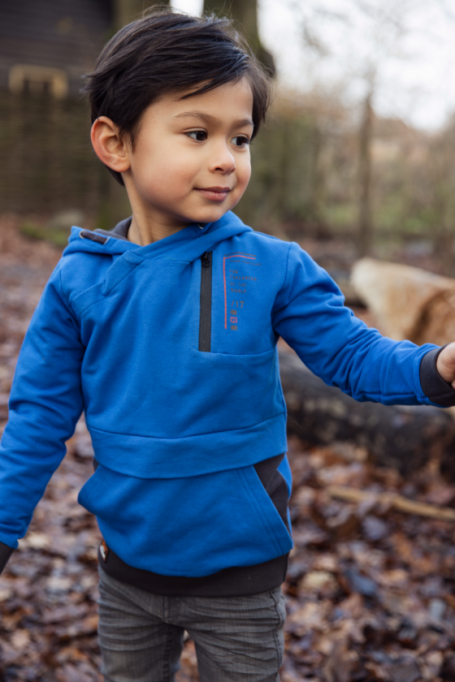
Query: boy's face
(191, 157)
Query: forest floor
(370, 590)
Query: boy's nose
(223, 160)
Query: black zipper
(205, 319)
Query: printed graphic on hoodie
(239, 275)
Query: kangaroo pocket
(187, 526)
(216, 412)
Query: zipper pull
(205, 260)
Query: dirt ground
(370, 590)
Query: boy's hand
(445, 364)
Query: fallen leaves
(370, 585)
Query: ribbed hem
(5, 553)
(238, 581)
(433, 385)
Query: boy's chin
(210, 216)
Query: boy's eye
(240, 141)
(198, 135)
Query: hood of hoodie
(188, 244)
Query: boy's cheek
(243, 184)
(247, 173)
(243, 176)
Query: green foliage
(341, 217)
(35, 231)
(284, 159)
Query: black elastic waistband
(238, 581)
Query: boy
(164, 332)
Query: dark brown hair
(167, 51)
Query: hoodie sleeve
(309, 313)
(45, 404)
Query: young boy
(164, 333)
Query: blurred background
(359, 147)
(357, 159)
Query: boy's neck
(143, 231)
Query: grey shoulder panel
(120, 231)
(85, 234)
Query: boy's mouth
(214, 193)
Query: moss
(35, 231)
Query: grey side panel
(5, 553)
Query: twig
(393, 500)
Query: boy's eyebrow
(212, 119)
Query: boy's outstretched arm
(309, 313)
(45, 404)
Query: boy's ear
(110, 147)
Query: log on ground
(407, 303)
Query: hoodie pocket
(192, 526)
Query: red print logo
(239, 257)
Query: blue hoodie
(170, 349)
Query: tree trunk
(365, 212)
(126, 11)
(245, 14)
(405, 438)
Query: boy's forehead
(240, 85)
(232, 97)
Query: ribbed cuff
(433, 385)
(5, 553)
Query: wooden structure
(48, 164)
(47, 46)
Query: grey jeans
(237, 639)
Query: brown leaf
(340, 663)
(61, 614)
(20, 639)
(71, 673)
(344, 524)
(440, 494)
